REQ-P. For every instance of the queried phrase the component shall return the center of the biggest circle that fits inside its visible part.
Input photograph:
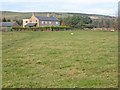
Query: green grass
(58, 59)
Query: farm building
(37, 21)
(7, 26)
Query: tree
(8, 20)
(77, 21)
(115, 24)
(18, 22)
(4, 20)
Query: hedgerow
(45, 28)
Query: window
(36, 20)
(42, 22)
(45, 22)
(50, 22)
(56, 22)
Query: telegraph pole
(118, 15)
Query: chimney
(48, 15)
(33, 14)
(53, 14)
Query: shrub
(45, 28)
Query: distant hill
(21, 15)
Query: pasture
(59, 59)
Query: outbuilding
(7, 26)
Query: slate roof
(30, 24)
(8, 24)
(47, 18)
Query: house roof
(30, 24)
(8, 24)
(47, 18)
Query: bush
(46, 28)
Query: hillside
(21, 15)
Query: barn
(7, 26)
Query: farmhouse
(37, 21)
(6, 26)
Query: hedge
(46, 28)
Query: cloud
(111, 12)
(27, 1)
(107, 7)
(93, 1)
(67, 1)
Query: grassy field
(59, 59)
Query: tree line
(78, 21)
(82, 22)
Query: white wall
(25, 21)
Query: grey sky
(105, 7)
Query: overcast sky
(104, 7)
